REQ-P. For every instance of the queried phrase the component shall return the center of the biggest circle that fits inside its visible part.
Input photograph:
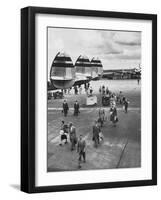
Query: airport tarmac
(121, 147)
(129, 88)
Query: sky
(115, 49)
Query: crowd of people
(77, 89)
(68, 133)
(114, 98)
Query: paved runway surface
(121, 147)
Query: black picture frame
(28, 98)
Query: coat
(96, 131)
(113, 116)
(65, 107)
(76, 107)
(81, 146)
(72, 133)
(101, 114)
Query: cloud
(128, 38)
(97, 42)
(114, 48)
(59, 45)
(128, 54)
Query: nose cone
(83, 66)
(97, 67)
(62, 73)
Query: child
(63, 137)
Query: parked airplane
(63, 73)
(97, 68)
(83, 66)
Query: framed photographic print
(88, 99)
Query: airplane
(97, 68)
(63, 73)
(83, 66)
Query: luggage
(63, 137)
(101, 137)
(116, 119)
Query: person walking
(69, 89)
(63, 134)
(72, 135)
(101, 114)
(96, 134)
(120, 97)
(90, 90)
(103, 89)
(126, 103)
(65, 108)
(113, 115)
(81, 149)
(75, 90)
(76, 108)
(80, 89)
(100, 89)
(123, 100)
(107, 90)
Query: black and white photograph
(89, 99)
(93, 99)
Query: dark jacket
(113, 116)
(76, 107)
(95, 132)
(65, 107)
(81, 146)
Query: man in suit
(81, 149)
(65, 108)
(73, 137)
(76, 108)
(96, 131)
